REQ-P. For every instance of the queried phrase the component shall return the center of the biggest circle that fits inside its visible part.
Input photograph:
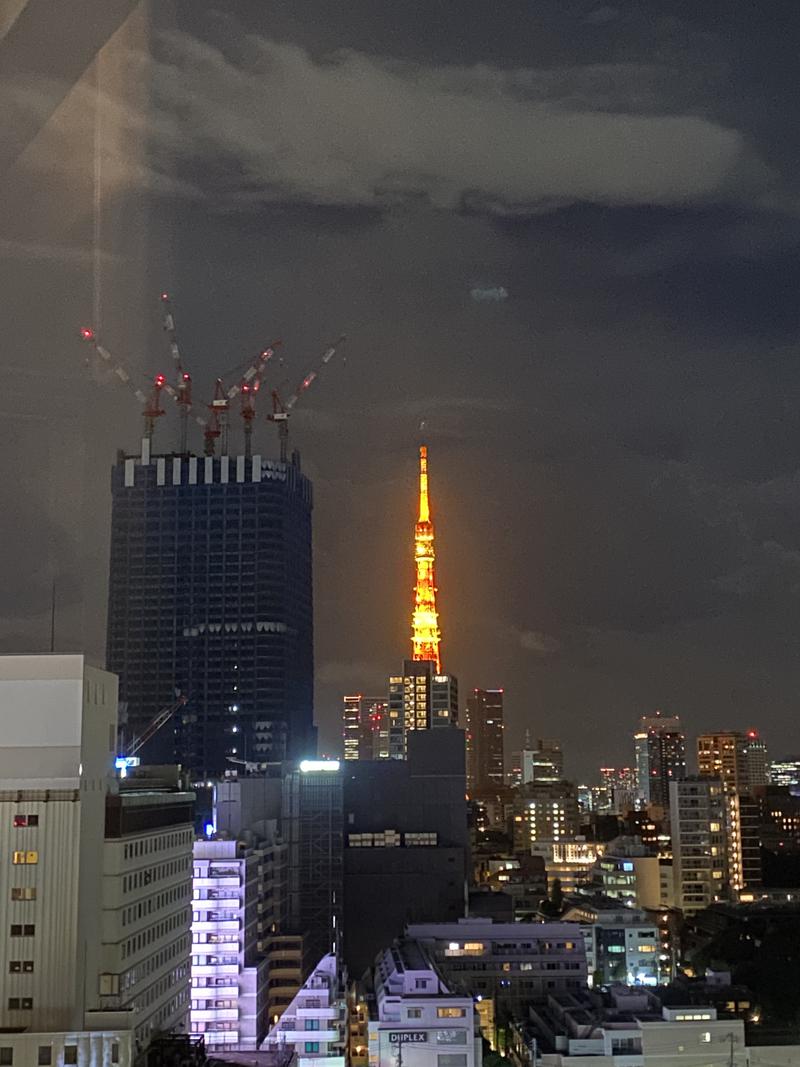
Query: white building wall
(56, 759)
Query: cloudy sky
(562, 238)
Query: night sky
(562, 238)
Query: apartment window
(312, 1024)
(26, 857)
(45, 1055)
(23, 930)
(26, 820)
(421, 983)
(20, 967)
(312, 1046)
(115, 1053)
(6, 1056)
(451, 1013)
(70, 1053)
(452, 1059)
(20, 1003)
(414, 1013)
(23, 893)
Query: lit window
(451, 1013)
(26, 857)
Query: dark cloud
(614, 448)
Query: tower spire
(425, 620)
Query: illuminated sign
(319, 765)
(407, 1037)
(124, 763)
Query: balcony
(209, 970)
(318, 1013)
(205, 992)
(293, 1036)
(214, 1015)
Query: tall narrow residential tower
(425, 622)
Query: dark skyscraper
(484, 730)
(660, 747)
(210, 593)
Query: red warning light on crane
(87, 333)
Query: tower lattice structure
(425, 635)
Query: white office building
(94, 879)
(416, 1020)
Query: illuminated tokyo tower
(425, 621)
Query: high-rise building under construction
(211, 595)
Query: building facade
(229, 976)
(210, 595)
(406, 843)
(312, 827)
(622, 942)
(415, 1019)
(660, 752)
(506, 964)
(699, 843)
(739, 761)
(95, 893)
(544, 811)
(419, 699)
(483, 725)
(314, 1025)
(365, 727)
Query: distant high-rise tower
(365, 727)
(210, 592)
(425, 622)
(484, 729)
(660, 747)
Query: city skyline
(602, 366)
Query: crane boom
(281, 409)
(151, 404)
(155, 725)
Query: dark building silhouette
(484, 730)
(210, 594)
(406, 845)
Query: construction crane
(151, 403)
(281, 409)
(181, 392)
(155, 725)
(247, 389)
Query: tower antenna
(425, 634)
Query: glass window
(312, 1046)
(115, 1053)
(70, 1053)
(451, 1013)
(6, 1056)
(23, 893)
(45, 1055)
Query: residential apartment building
(229, 976)
(738, 760)
(543, 811)
(506, 964)
(95, 884)
(622, 942)
(419, 699)
(314, 1025)
(699, 842)
(365, 727)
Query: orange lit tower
(425, 621)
